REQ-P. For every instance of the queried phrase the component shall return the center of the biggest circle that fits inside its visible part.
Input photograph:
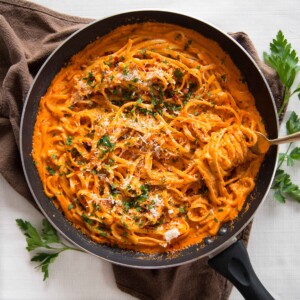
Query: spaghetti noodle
(143, 139)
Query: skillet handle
(234, 264)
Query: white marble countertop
(274, 245)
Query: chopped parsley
(90, 78)
(105, 141)
(50, 170)
(182, 209)
(144, 193)
(69, 141)
(139, 101)
(86, 219)
(178, 74)
(125, 70)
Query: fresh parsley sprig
(48, 240)
(284, 187)
(282, 184)
(283, 59)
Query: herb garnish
(86, 219)
(284, 60)
(45, 239)
(144, 193)
(50, 170)
(69, 141)
(105, 141)
(178, 73)
(90, 78)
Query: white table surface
(274, 246)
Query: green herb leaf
(70, 206)
(86, 219)
(182, 209)
(283, 59)
(178, 74)
(49, 234)
(36, 240)
(144, 193)
(283, 186)
(279, 197)
(289, 161)
(125, 70)
(293, 123)
(90, 78)
(50, 170)
(281, 158)
(33, 238)
(105, 141)
(46, 259)
(295, 153)
(69, 141)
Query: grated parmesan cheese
(171, 234)
(154, 212)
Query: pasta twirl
(143, 140)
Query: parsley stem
(66, 247)
(287, 95)
(285, 155)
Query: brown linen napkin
(28, 34)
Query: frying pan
(226, 254)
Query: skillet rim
(121, 256)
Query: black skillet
(227, 255)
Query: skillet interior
(77, 42)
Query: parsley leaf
(90, 78)
(86, 219)
(293, 123)
(295, 154)
(49, 234)
(69, 141)
(33, 238)
(45, 239)
(283, 186)
(144, 193)
(105, 141)
(289, 157)
(178, 74)
(46, 259)
(284, 60)
(50, 170)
